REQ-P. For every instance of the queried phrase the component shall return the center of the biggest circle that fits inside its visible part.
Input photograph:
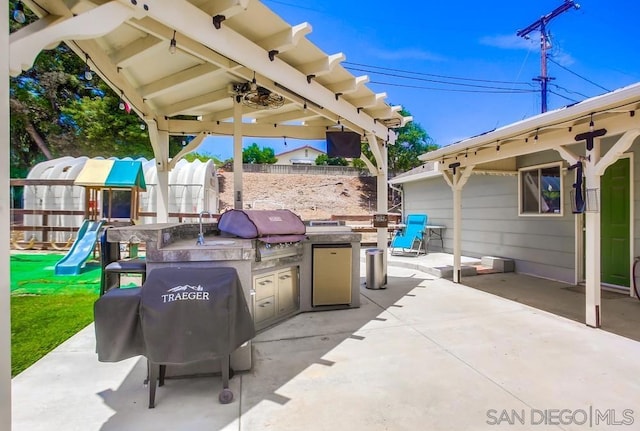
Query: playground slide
(74, 261)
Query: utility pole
(541, 25)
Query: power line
(569, 91)
(459, 90)
(564, 97)
(394, 75)
(431, 74)
(296, 6)
(579, 76)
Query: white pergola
(612, 115)
(230, 57)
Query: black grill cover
(117, 325)
(193, 314)
(272, 226)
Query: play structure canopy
(112, 174)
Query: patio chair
(410, 238)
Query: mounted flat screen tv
(343, 144)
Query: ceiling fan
(257, 97)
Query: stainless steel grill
(268, 251)
(277, 232)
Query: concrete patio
(424, 353)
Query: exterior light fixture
(88, 74)
(173, 44)
(18, 13)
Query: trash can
(375, 276)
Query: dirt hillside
(312, 197)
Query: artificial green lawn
(47, 309)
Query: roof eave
(616, 98)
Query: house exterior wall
(540, 246)
(544, 246)
(302, 155)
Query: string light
(18, 13)
(591, 125)
(121, 104)
(88, 75)
(173, 43)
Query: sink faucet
(200, 240)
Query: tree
(323, 159)
(412, 141)
(203, 157)
(259, 156)
(55, 111)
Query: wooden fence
(305, 170)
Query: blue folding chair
(410, 238)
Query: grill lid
(270, 226)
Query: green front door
(615, 224)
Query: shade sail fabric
(112, 173)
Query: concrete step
(498, 264)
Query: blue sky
(594, 49)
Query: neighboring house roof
(300, 148)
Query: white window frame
(539, 168)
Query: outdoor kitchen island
(278, 280)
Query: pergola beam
(287, 39)
(368, 101)
(226, 8)
(322, 66)
(29, 41)
(195, 24)
(193, 127)
(125, 56)
(178, 80)
(193, 104)
(348, 86)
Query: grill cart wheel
(226, 396)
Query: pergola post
(162, 189)
(456, 179)
(379, 150)
(237, 156)
(5, 279)
(592, 242)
